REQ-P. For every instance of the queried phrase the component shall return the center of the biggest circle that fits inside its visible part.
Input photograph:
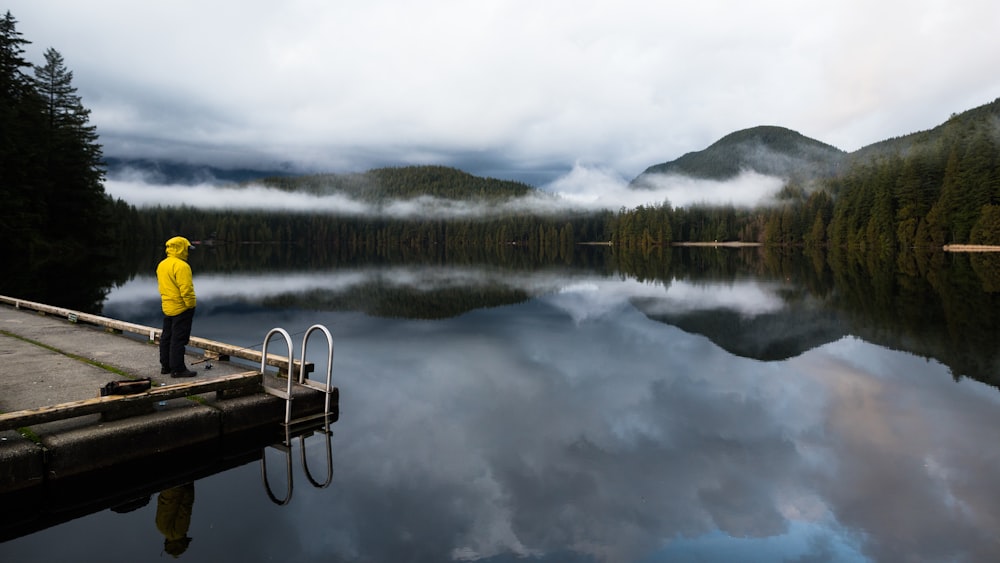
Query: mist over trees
(406, 182)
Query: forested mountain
(774, 151)
(925, 189)
(984, 119)
(404, 182)
(168, 172)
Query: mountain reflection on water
(574, 415)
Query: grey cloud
(535, 86)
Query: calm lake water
(570, 415)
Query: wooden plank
(72, 409)
(77, 316)
(273, 360)
(153, 334)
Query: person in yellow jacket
(178, 303)
(173, 517)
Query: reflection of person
(173, 516)
(177, 298)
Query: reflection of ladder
(286, 448)
(309, 423)
(302, 381)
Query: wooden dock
(54, 423)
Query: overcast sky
(516, 89)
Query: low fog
(585, 188)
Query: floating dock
(55, 426)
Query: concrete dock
(53, 364)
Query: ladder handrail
(291, 364)
(329, 361)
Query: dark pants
(176, 332)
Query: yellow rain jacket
(174, 278)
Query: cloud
(258, 197)
(210, 196)
(598, 188)
(527, 87)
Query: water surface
(558, 415)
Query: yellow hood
(178, 247)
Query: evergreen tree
(72, 185)
(55, 216)
(19, 216)
(13, 82)
(987, 228)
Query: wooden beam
(153, 334)
(273, 360)
(29, 417)
(77, 316)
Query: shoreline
(733, 244)
(971, 248)
(740, 244)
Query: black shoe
(183, 373)
(164, 371)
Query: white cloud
(209, 196)
(533, 85)
(601, 189)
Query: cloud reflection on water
(574, 424)
(593, 293)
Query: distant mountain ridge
(782, 152)
(981, 120)
(169, 172)
(404, 182)
(767, 149)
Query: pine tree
(72, 187)
(20, 217)
(987, 228)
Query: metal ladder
(303, 380)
